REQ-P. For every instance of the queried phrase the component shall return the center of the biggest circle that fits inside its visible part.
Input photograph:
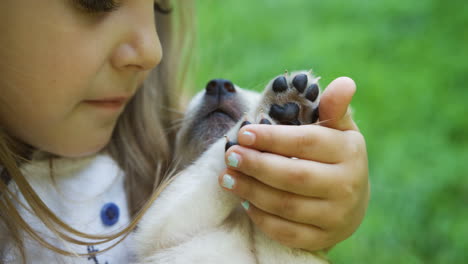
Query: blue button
(110, 214)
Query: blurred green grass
(410, 62)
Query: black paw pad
(229, 144)
(280, 84)
(284, 114)
(312, 92)
(265, 121)
(300, 82)
(315, 115)
(245, 123)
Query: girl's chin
(78, 152)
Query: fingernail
(233, 159)
(246, 205)
(228, 181)
(248, 138)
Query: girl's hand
(317, 200)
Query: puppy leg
(193, 203)
(229, 244)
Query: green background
(410, 62)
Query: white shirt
(76, 193)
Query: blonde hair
(142, 144)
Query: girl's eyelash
(105, 6)
(98, 6)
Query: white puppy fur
(195, 221)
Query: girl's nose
(140, 47)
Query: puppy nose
(220, 88)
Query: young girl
(85, 139)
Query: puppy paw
(290, 99)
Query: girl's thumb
(334, 105)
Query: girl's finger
(311, 142)
(288, 233)
(293, 207)
(303, 177)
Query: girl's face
(66, 73)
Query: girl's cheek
(59, 128)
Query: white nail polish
(246, 205)
(233, 159)
(228, 181)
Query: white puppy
(194, 220)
